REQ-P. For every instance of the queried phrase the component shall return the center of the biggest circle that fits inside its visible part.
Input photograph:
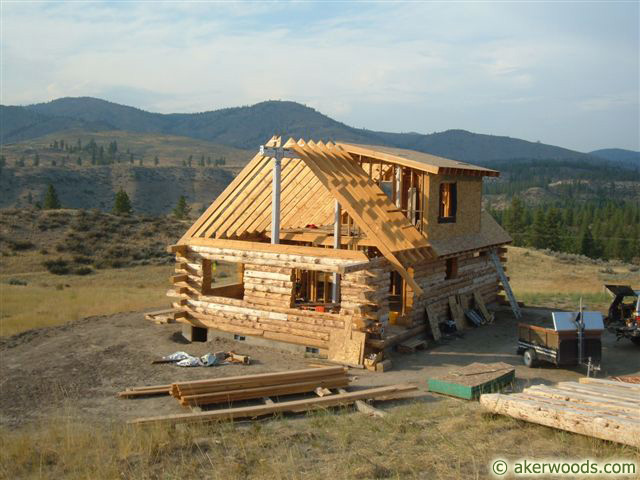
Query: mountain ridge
(246, 127)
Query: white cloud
(423, 67)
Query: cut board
(471, 381)
(347, 346)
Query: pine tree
(156, 161)
(537, 232)
(79, 161)
(190, 160)
(51, 201)
(3, 161)
(586, 245)
(182, 209)
(553, 230)
(36, 160)
(514, 220)
(122, 204)
(131, 158)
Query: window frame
(450, 189)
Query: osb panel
(469, 206)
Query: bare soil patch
(85, 363)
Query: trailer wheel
(530, 358)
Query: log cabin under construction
(341, 249)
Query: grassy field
(49, 299)
(544, 280)
(445, 440)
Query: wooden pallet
(470, 381)
(411, 345)
(605, 409)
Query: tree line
(597, 228)
(95, 154)
(121, 203)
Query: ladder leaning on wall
(505, 283)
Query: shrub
(84, 270)
(17, 245)
(17, 281)
(58, 266)
(82, 260)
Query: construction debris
(183, 359)
(471, 381)
(605, 409)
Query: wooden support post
(275, 205)
(337, 230)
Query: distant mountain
(621, 155)
(248, 127)
(19, 123)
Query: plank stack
(605, 409)
(246, 387)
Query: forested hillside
(248, 127)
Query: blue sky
(561, 73)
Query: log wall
(262, 304)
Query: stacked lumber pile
(246, 387)
(342, 398)
(605, 409)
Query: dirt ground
(85, 363)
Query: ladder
(505, 283)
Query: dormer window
(448, 203)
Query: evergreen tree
(553, 230)
(182, 209)
(79, 161)
(201, 161)
(156, 161)
(51, 201)
(3, 161)
(586, 244)
(122, 204)
(190, 160)
(30, 198)
(514, 220)
(36, 160)
(537, 231)
(131, 158)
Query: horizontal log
(601, 425)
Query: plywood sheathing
(418, 160)
(489, 234)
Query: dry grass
(447, 440)
(49, 299)
(543, 280)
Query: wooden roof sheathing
(491, 234)
(420, 161)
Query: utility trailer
(575, 339)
